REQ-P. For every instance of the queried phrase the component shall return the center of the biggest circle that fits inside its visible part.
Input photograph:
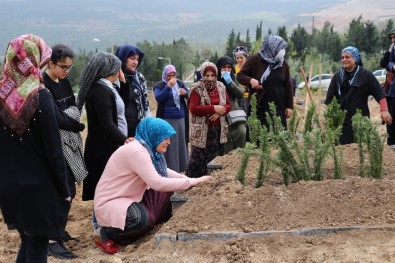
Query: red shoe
(109, 247)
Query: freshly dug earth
(223, 204)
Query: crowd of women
(133, 162)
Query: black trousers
(391, 128)
(32, 249)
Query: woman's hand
(214, 117)
(221, 110)
(182, 91)
(386, 117)
(204, 178)
(171, 82)
(68, 199)
(255, 84)
(288, 113)
(130, 139)
(121, 76)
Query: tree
(371, 38)
(258, 32)
(328, 42)
(230, 45)
(248, 41)
(384, 43)
(282, 32)
(355, 33)
(301, 42)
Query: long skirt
(200, 157)
(141, 218)
(177, 152)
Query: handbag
(236, 117)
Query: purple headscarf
(168, 69)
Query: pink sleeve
(141, 163)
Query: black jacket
(33, 183)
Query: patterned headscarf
(167, 70)
(22, 80)
(271, 45)
(150, 132)
(240, 50)
(101, 65)
(354, 52)
(209, 84)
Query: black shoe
(58, 250)
(67, 237)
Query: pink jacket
(128, 173)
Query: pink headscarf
(166, 70)
(22, 80)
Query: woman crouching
(133, 194)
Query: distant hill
(203, 22)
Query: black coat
(33, 183)
(104, 136)
(353, 97)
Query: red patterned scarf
(22, 80)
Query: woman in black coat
(105, 109)
(351, 87)
(34, 195)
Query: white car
(314, 82)
(380, 75)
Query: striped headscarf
(271, 45)
(150, 132)
(22, 80)
(101, 65)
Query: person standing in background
(240, 54)
(34, 194)
(208, 105)
(351, 87)
(105, 109)
(171, 95)
(134, 90)
(389, 86)
(55, 79)
(237, 131)
(267, 75)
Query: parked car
(380, 75)
(314, 82)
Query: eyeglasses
(64, 67)
(391, 37)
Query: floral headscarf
(271, 45)
(22, 80)
(209, 84)
(150, 132)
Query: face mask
(280, 55)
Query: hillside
(199, 22)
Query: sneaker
(58, 250)
(67, 237)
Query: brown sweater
(254, 68)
